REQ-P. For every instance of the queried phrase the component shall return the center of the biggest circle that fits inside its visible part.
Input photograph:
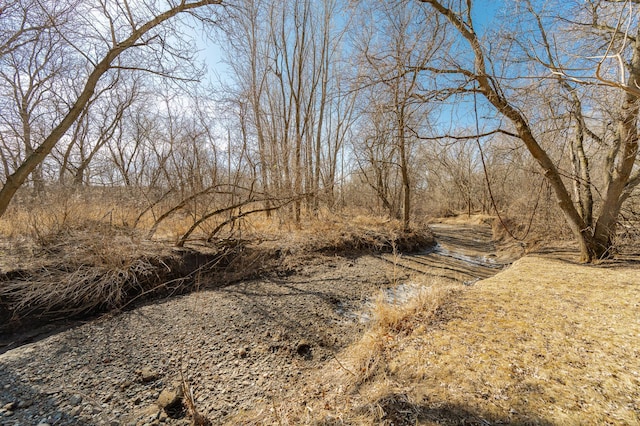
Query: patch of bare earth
(220, 349)
(237, 346)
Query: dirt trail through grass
(246, 345)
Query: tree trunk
(404, 166)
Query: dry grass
(73, 253)
(76, 252)
(41, 218)
(81, 271)
(41, 221)
(545, 342)
(44, 217)
(390, 323)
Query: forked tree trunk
(596, 242)
(592, 249)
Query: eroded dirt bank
(235, 346)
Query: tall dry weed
(393, 317)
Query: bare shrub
(82, 271)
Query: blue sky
(458, 114)
(484, 15)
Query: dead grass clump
(390, 323)
(87, 271)
(81, 271)
(362, 234)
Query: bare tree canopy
(541, 47)
(96, 34)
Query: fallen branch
(209, 215)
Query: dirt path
(235, 346)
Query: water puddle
(396, 296)
(483, 261)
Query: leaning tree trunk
(595, 242)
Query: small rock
(43, 424)
(148, 375)
(75, 400)
(151, 412)
(75, 411)
(167, 398)
(25, 403)
(10, 406)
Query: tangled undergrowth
(82, 267)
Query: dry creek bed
(235, 346)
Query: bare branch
(466, 137)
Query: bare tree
(108, 32)
(23, 22)
(285, 57)
(595, 239)
(100, 123)
(29, 71)
(399, 34)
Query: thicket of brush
(70, 254)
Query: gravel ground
(236, 347)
